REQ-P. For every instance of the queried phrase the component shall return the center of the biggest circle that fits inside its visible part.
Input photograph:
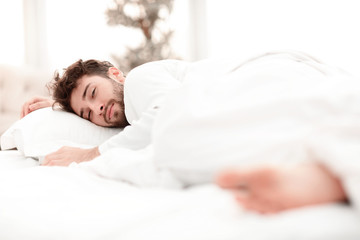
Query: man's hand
(34, 104)
(66, 155)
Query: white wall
(12, 32)
(78, 29)
(327, 29)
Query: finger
(232, 179)
(38, 105)
(48, 158)
(258, 204)
(51, 163)
(241, 193)
(58, 158)
(24, 109)
(59, 163)
(245, 203)
(251, 204)
(51, 157)
(22, 112)
(37, 99)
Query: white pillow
(46, 130)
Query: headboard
(17, 85)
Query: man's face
(100, 100)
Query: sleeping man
(284, 120)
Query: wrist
(93, 153)
(96, 152)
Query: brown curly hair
(62, 86)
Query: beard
(117, 103)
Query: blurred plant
(150, 17)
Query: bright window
(12, 32)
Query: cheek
(99, 120)
(105, 92)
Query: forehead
(84, 80)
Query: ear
(116, 74)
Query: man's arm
(134, 137)
(66, 155)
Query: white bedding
(82, 202)
(70, 203)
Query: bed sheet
(70, 203)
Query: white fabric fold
(281, 108)
(132, 166)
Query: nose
(101, 109)
(98, 109)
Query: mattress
(39, 202)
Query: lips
(110, 111)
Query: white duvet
(279, 108)
(70, 203)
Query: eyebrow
(86, 88)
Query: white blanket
(68, 203)
(279, 108)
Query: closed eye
(93, 93)
(89, 115)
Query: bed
(39, 202)
(69, 203)
(76, 202)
